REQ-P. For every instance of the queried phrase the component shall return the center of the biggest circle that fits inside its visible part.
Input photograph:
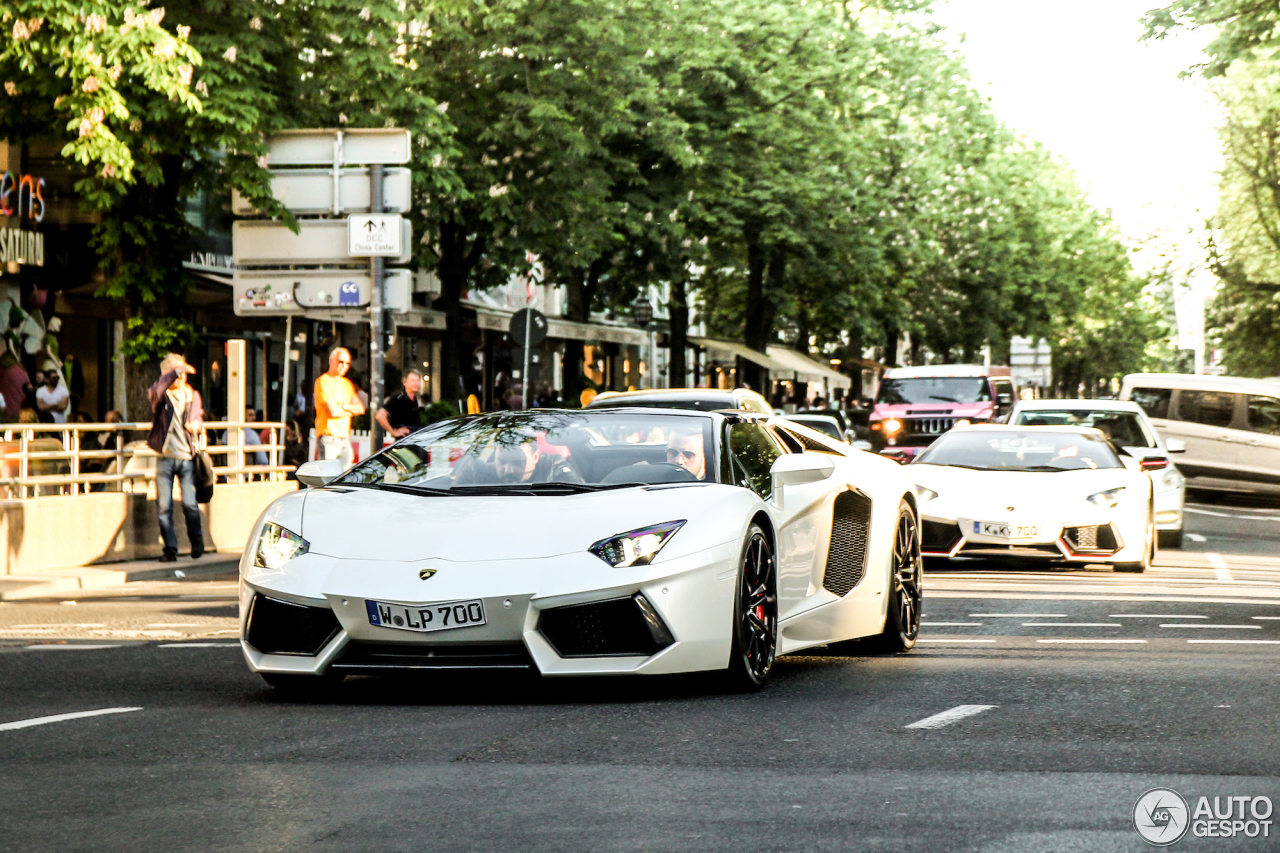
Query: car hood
(975, 494)
(368, 524)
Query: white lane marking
(951, 624)
(1202, 625)
(1219, 566)
(1019, 615)
(949, 716)
(1156, 616)
(1196, 537)
(82, 647)
(1092, 640)
(1236, 642)
(199, 646)
(1227, 515)
(58, 718)
(951, 640)
(1072, 625)
(1266, 617)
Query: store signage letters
(22, 196)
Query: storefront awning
(725, 350)
(806, 369)
(498, 320)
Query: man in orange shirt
(336, 402)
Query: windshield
(934, 389)
(1021, 450)
(822, 425)
(1123, 428)
(542, 453)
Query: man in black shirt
(399, 412)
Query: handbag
(204, 476)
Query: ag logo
(426, 574)
(1161, 816)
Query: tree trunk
(580, 292)
(678, 340)
(853, 355)
(891, 344)
(456, 264)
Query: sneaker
(169, 556)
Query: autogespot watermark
(1162, 817)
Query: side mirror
(320, 472)
(1175, 445)
(1153, 463)
(796, 469)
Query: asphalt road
(1079, 691)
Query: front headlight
(892, 425)
(637, 547)
(925, 495)
(277, 546)
(1109, 498)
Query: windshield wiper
(399, 487)
(945, 399)
(540, 488)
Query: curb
(60, 583)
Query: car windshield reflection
(1032, 450)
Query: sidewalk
(64, 581)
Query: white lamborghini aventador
(612, 541)
(1049, 492)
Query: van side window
(1264, 414)
(1154, 401)
(1211, 408)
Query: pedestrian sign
(373, 235)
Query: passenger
(685, 448)
(525, 463)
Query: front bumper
(1089, 541)
(569, 615)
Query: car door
(1260, 456)
(752, 452)
(1205, 420)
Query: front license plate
(1005, 531)
(426, 617)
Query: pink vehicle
(915, 405)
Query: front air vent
(847, 558)
(278, 627)
(618, 627)
(939, 537)
(371, 658)
(1095, 539)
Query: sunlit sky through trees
(1076, 77)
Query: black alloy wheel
(755, 614)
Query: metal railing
(37, 460)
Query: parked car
(915, 405)
(1229, 425)
(1128, 427)
(701, 399)
(1056, 493)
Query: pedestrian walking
(176, 419)
(401, 413)
(336, 403)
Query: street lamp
(642, 312)
(790, 333)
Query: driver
(526, 463)
(685, 448)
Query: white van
(1230, 426)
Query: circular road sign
(536, 324)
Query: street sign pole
(528, 350)
(376, 319)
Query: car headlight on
(925, 495)
(892, 425)
(636, 547)
(962, 422)
(277, 546)
(1109, 498)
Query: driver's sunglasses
(675, 455)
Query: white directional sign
(385, 146)
(310, 192)
(280, 293)
(322, 242)
(374, 235)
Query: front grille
(927, 426)
(618, 627)
(1095, 539)
(376, 657)
(939, 537)
(283, 628)
(847, 557)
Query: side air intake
(847, 558)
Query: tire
(1170, 538)
(303, 686)
(906, 597)
(1140, 567)
(755, 615)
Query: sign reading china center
(373, 235)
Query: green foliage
(1243, 29)
(149, 340)
(438, 411)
